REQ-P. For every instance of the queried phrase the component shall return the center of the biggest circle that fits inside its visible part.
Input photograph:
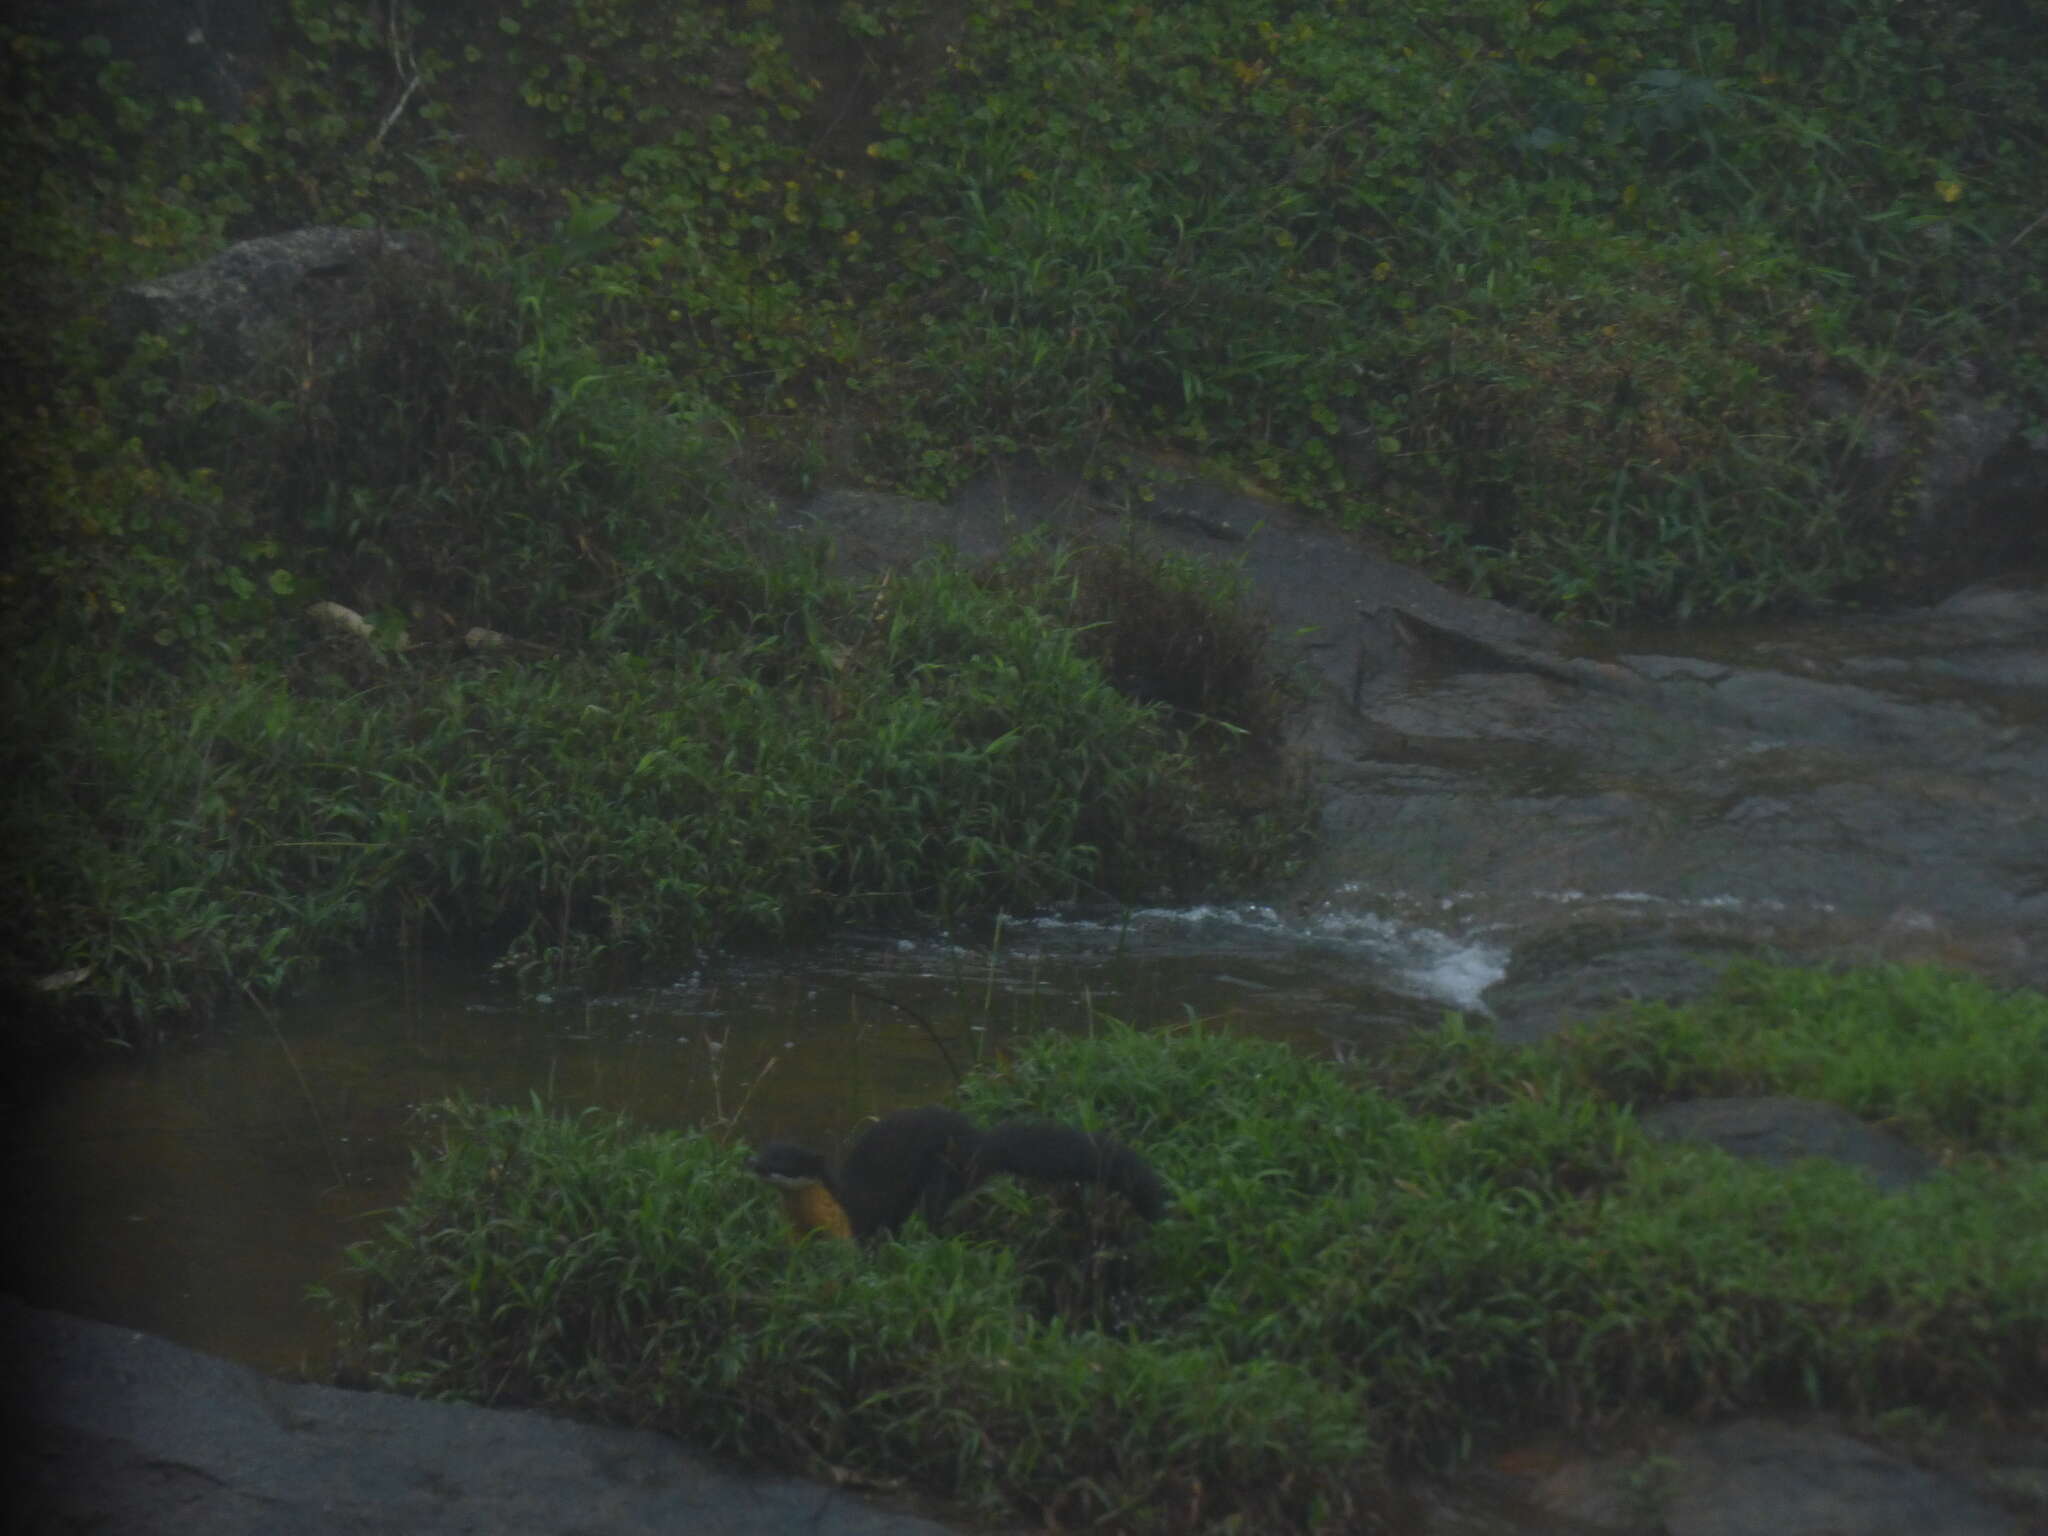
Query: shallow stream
(200, 1192)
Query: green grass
(688, 732)
(1362, 1272)
(1540, 293)
(943, 749)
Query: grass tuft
(1354, 1278)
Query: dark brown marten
(925, 1159)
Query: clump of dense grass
(1168, 630)
(946, 750)
(1351, 1280)
(1944, 1058)
(182, 838)
(572, 1264)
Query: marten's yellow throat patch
(811, 1208)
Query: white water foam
(1426, 962)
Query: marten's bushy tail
(1040, 1150)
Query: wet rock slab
(114, 1430)
(1864, 787)
(1781, 1130)
(1580, 970)
(1755, 1476)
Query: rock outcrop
(113, 1430)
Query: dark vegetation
(684, 731)
(1366, 1268)
(1540, 294)
(1545, 291)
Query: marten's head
(798, 1175)
(787, 1166)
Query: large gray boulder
(113, 1430)
(1781, 1130)
(256, 304)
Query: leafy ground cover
(1365, 1269)
(1546, 293)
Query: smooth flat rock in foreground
(113, 1430)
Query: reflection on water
(198, 1193)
